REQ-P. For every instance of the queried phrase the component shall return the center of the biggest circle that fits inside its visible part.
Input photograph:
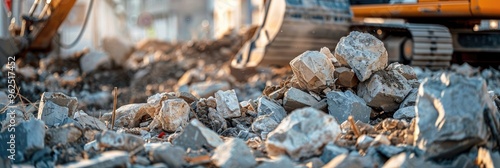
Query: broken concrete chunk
(405, 70)
(118, 49)
(267, 107)
(68, 133)
(345, 77)
(328, 53)
(296, 98)
(171, 156)
(444, 104)
(363, 142)
(130, 115)
(233, 153)
(174, 113)
(227, 103)
(94, 60)
(280, 161)
(331, 151)
(88, 121)
(197, 136)
(56, 107)
(106, 159)
(205, 89)
(347, 160)
(341, 105)
(363, 52)
(384, 90)
(264, 123)
(406, 113)
(302, 134)
(313, 70)
(410, 99)
(118, 141)
(20, 141)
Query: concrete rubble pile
(349, 108)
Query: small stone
(406, 113)
(197, 136)
(205, 89)
(384, 90)
(341, 105)
(345, 77)
(174, 113)
(63, 135)
(302, 134)
(380, 139)
(56, 107)
(227, 103)
(106, 159)
(130, 115)
(94, 60)
(21, 140)
(279, 161)
(169, 155)
(233, 153)
(363, 52)
(313, 70)
(270, 115)
(295, 98)
(364, 142)
(88, 121)
(331, 151)
(118, 141)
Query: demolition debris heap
(349, 108)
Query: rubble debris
(444, 104)
(269, 116)
(119, 49)
(345, 77)
(118, 141)
(56, 107)
(296, 98)
(279, 161)
(384, 90)
(410, 99)
(130, 115)
(227, 103)
(88, 121)
(313, 163)
(364, 53)
(205, 89)
(197, 136)
(331, 151)
(349, 160)
(343, 104)
(302, 134)
(170, 155)
(66, 134)
(93, 61)
(406, 113)
(313, 70)
(106, 159)
(174, 113)
(233, 153)
(364, 142)
(21, 140)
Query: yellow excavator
(428, 33)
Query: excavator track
(432, 45)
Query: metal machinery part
(291, 27)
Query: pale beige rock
(313, 70)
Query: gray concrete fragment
(205, 89)
(88, 121)
(313, 70)
(233, 153)
(21, 140)
(363, 52)
(106, 159)
(174, 114)
(384, 90)
(343, 104)
(63, 135)
(296, 98)
(302, 134)
(227, 103)
(270, 115)
(410, 99)
(56, 107)
(444, 104)
(169, 155)
(118, 141)
(331, 151)
(364, 142)
(197, 136)
(406, 113)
